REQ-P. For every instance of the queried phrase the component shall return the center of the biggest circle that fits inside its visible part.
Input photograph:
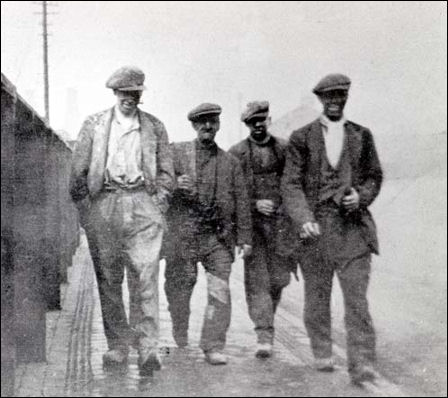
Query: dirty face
(334, 102)
(206, 126)
(258, 127)
(128, 101)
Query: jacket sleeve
(80, 163)
(293, 180)
(242, 207)
(165, 170)
(371, 172)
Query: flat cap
(127, 78)
(335, 81)
(204, 109)
(255, 109)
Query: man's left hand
(351, 201)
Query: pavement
(76, 343)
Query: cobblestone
(76, 343)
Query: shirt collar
(324, 121)
(266, 140)
(132, 121)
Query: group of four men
(279, 203)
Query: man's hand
(185, 183)
(310, 230)
(265, 206)
(351, 201)
(246, 250)
(83, 207)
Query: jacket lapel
(354, 145)
(149, 149)
(99, 151)
(316, 146)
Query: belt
(117, 188)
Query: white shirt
(334, 138)
(124, 161)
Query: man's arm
(242, 207)
(165, 170)
(293, 195)
(82, 154)
(371, 172)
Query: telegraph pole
(45, 43)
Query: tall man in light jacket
(122, 177)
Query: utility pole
(45, 43)
(44, 5)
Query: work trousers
(124, 231)
(181, 276)
(341, 250)
(265, 276)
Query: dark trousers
(339, 250)
(180, 278)
(265, 276)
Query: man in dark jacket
(267, 271)
(208, 217)
(122, 176)
(332, 174)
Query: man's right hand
(265, 206)
(310, 230)
(185, 183)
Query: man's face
(206, 126)
(334, 103)
(258, 127)
(128, 101)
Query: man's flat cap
(255, 109)
(335, 81)
(204, 109)
(127, 78)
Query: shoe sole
(217, 363)
(149, 367)
(263, 354)
(326, 369)
(109, 363)
(358, 381)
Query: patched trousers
(125, 231)
(181, 276)
(265, 276)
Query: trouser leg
(104, 249)
(280, 276)
(258, 293)
(217, 262)
(142, 243)
(354, 279)
(180, 278)
(318, 278)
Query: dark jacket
(231, 198)
(90, 157)
(283, 223)
(301, 177)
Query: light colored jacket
(90, 157)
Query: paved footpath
(76, 343)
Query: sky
(231, 53)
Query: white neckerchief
(334, 138)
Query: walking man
(209, 215)
(266, 271)
(122, 176)
(332, 174)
